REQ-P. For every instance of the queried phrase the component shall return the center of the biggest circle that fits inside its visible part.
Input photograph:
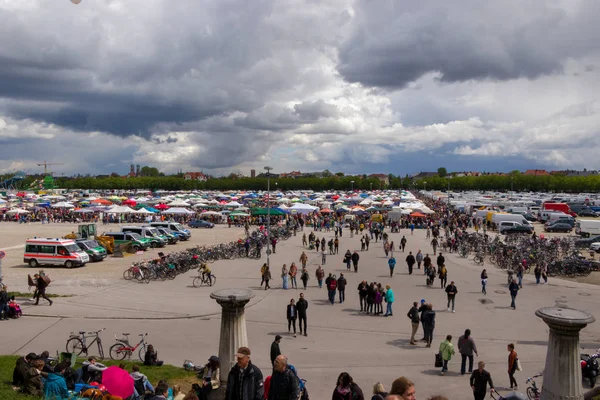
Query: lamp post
(352, 186)
(268, 169)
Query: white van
(562, 216)
(497, 218)
(587, 227)
(50, 251)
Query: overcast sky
(348, 85)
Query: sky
(357, 86)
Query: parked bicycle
(122, 348)
(77, 343)
(533, 393)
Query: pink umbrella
(118, 382)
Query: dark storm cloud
(397, 41)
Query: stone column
(562, 374)
(233, 325)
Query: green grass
(29, 295)
(173, 376)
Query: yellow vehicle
(377, 218)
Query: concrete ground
(183, 322)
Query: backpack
(301, 383)
(332, 284)
(138, 384)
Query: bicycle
(533, 393)
(77, 344)
(204, 280)
(122, 348)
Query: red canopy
(418, 215)
(130, 202)
(326, 211)
(161, 206)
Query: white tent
(302, 208)
(233, 204)
(178, 203)
(119, 210)
(210, 213)
(143, 211)
(63, 204)
(2, 201)
(17, 211)
(177, 210)
(84, 211)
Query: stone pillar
(233, 325)
(562, 374)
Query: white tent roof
(178, 203)
(17, 211)
(119, 210)
(143, 211)
(177, 210)
(63, 204)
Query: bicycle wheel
(118, 351)
(531, 394)
(212, 280)
(75, 345)
(142, 352)
(197, 282)
(128, 274)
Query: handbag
(438, 360)
(519, 367)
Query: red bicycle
(122, 348)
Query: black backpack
(138, 384)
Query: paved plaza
(183, 322)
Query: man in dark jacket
(479, 380)
(301, 307)
(451, 292)
(275, 350)
(21, 368)
(413, 315)
(410, 260)
(403, 243)
(41, 289)
(355, 257)
(440, 260)
(342, 287)
(428, 318)
(245, 380)
(362, 294)
(284, 383)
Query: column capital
(565, 320)
(232, 297)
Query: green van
(92, 248)
(138, 242)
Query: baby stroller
(311, 245)
(510, 396)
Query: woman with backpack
(346, 389)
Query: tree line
(516, 182)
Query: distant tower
(132, 169)
(137, 170)
(252, 173)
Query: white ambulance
(50, 251)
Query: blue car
(200, 223)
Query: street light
(352, 185)
(268, 169)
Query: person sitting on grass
(151, 357)
(33, 379)
(55, 385)
(141, 383)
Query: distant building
(383, 178)
(293, 174)
(422, 175)
(572, 173)
(252, 173)
(536, 172)
(195, 176)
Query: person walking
(245, 380)
(443, 274)
(293, 273)
(466, 348)
(513, 358)
(392, 265)
(484, 278)
(267, 277)
(447, 351)
(426, 264)
(413, 315)
(284, 384)
(451, 292)
(292, 315)
(419, 259)
(262, 274)
(275, 350)
(301, 307)
(355, 258)
(389, 299)
(42, 283)
(274, 244)
(304, 277)
(331, 288)
(341, 287)
(434, 244)
(336, 245)
(428, 318)
(348, 259)
(362, 294)
(440, 260)
(367, 241)
(513, 288)
(320, 274)
(304, 257)
(284, 277)
(410, 261)
(392, 248)
(323, 256)
(537, 271)
(403, 243)
(386, 249)
(480, 379)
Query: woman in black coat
(151, 357)
(292, 314)
(346, 389)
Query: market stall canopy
(204, 213)
(178, 211)
(63, 204)
(17, 211)
(120, 210)
(263, 211)
(417, 214)
(303, 208)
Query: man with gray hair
(284, 383)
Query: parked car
(518, 229)
(595, 247)
(92, 248)
(529, 217)
(584, 243)
(558, 227)
(200, 223)
(587, 212)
